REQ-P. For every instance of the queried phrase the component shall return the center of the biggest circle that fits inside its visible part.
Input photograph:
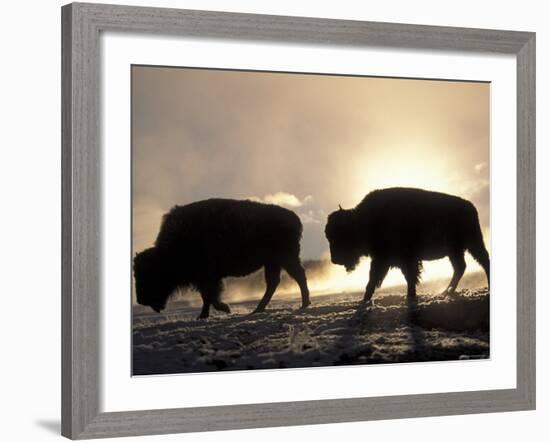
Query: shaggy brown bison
(201, 243)
(400, 227)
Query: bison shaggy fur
(401, 227)
(201, 243)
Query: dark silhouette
(201, 243)
(400, 227)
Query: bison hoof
(223, 308)
(257, 311)
(305, 305)
(202, 316)
(365, 303)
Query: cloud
(309, 217)
(283, 199)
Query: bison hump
(226, 221)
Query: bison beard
(401, 227)
(201, 243)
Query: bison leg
(210, 293)
(377, 273)
(481, 255)
(411, 271)
(296, 271)
(272, 279)
(459, 266)
(223, 307)
(215, 294)
(205, 311)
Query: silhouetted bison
(201, 243)
(400, 227)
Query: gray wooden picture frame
(81, 171)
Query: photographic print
(291, 220)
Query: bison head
(340, 232)
(153, 282)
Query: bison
(201, 243)
(400, 227)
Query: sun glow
(406, 166)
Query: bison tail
(476, 247)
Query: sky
(307, 142)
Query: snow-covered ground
(332, 331)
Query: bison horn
(340, 207)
